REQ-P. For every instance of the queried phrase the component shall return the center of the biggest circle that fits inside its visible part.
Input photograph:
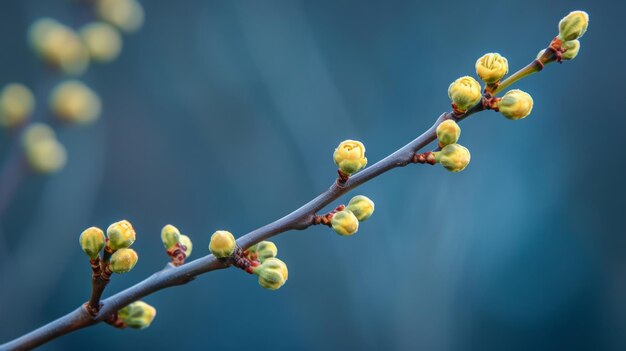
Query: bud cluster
(177, 245)
(345, 220)
(453, 157)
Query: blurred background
(225, 114)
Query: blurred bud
(345, 223)
(170, 236)
(43, 152)
(16, 104)
(121, 235)
(265, 250)
(35, 132)
(492, 67)
(103, 41)
(185, 241)
(127, 15)
(361, 206)
(515, 104)
(74, 102)
(58, 45)
(573, 26)
(92, 241)
(572, 47)
(272, 273)
(464, 92)
(448, 132)
(453, 157)
(222, 244)
(123, 260)
(137, 315)
(350, 156)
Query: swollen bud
(92, 241)
(349, 156)
(265, 250)
(222, 244)
(345, 222)
(137, 315)
(448, 132)
(492, 67)
(573, 26)
(361, 207)
(272, 273)
(16, 104)
(123, 260)
(453, 157)
(572, 48)
(185, 241)
(121, 235)
(170, 236)
(464, 92)
(515, 104)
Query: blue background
(224, 115)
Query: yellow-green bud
(74, 102)
(16, 104)
(92, 241)
(102, 40)
(464, 92)
(350, 156)
(137, 315)
(59, 45)
(448, 132)
(127, 15)
(123, 260)
(345, 222)
(573, 26)
(492, 67)
(185, 241)
(515, 104)
(572, 47)
(222, 244)
(170, 236)
(44, 155)
(272, 273)
(453, 157)
(121, 235)
(265, 250)
(361, 206)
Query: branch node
(342, 178)
(426, 157)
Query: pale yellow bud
(350, 156)
(59, 45)
(345, 222)
(45, 155)
(572, 47)
(127, 15)
(170, 236)
(265, 250)
(272, 273)
(121, 235)
(573, 26)
(102, 40)
(123, 260)
(453, 157)
(137, 315)
(186, 241)
(16, 104)
(464, 92)
(515, 104)
(74, 102)
(492, 67)
(361, 206)
(92, 241)
(36, 132)
(222, 244)
(448, 132)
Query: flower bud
(16, 104)
(464, 92)
(265, 250)
(492, 67)
(121, 235)
(272, 273)
(102, 40)
(361, 206)
(45, 155)
(573, 26)
(448, 132)
(170, 236)
(222, 244)
(350, 156)
(123, 260)
(58, 45)
(572, 47)
(344, 222)
(137, 315)
(127, 15)
(515, 104)
(185, 241)
(74, 102)
(453, 157)
(92, 241)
